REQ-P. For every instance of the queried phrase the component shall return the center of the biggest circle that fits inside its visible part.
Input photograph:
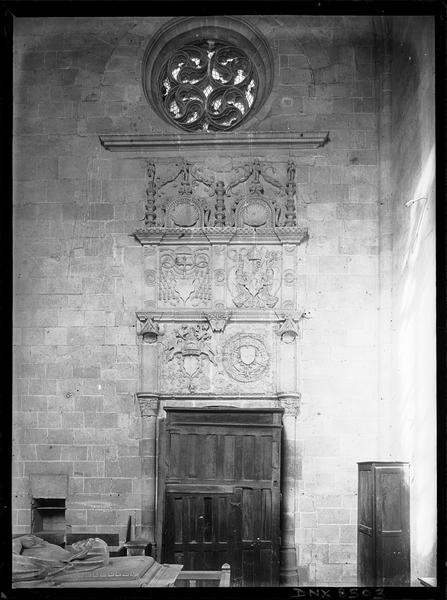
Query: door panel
(198, 530)
(221, 492)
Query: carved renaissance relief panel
(246, 361)
(220, 275)
(236, 359)
(184, 277)
(254, 276)
(187, 357)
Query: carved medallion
(184, 214)
(219, 275)
(288, 304)
(150, 277)
(185, 277)
(245, 357)
(253, 278)
(289, 277)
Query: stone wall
(80, 274)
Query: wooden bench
(204, 578)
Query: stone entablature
(152, 405)
(218, 353)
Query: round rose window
(208, 86)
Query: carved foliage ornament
(182, 199)
(245, 357)
(148, 406)
(208, 85)
(291, 405)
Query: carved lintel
(218, 320)
(149, 329)
(149, 405)
(290, 402)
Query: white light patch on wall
(419, 205)
(415, 314)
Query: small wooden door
(221, 492)
(383, 524)
(200, 528)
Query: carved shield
(191, 364)
(248, 354)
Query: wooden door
(256, 556)
(366, 563)
(199, 528)
(221, 492)
(383, 524)
(393, 525)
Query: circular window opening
(208, 86)
(208, 77)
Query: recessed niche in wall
(48, 519)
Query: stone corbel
(288, 328)
(149, 330)
(218, 320)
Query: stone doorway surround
(220, 322)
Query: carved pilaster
(290, 191)
(288, 573)
(150, 215)
(149, 406)
(220, 204)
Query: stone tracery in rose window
(208, 86)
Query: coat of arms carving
(245, 357)
(254, 277)
(191, 348)
(185, 277)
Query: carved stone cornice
(290, 402)
(217, 399)
(155, 236)
(149, 404)
(172, 144)
(189, 315)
